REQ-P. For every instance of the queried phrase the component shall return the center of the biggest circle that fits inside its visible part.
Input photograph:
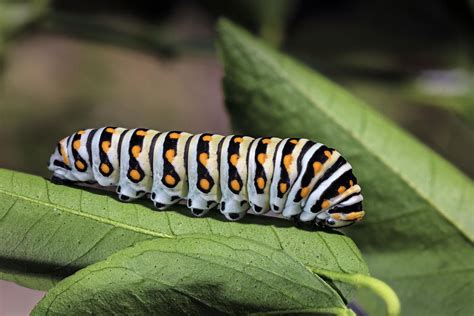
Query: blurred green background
(67, 65)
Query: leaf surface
(50, 231)
(193, 275)
(419, 228)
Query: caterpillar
(294, 177)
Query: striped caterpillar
(293, 177)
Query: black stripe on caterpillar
(294, 177)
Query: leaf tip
(224, 25)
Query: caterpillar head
(59, 164)
(343, 214)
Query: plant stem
(141, 37)
(380, 288)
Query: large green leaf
(419, 230)
(193, 275)
(49, 231)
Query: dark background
(67, 65)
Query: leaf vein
(93, 217)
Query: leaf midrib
(310, 99)
(93, 217)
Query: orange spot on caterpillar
(351, 183)
(105, 145)
(170, 154)
(174, 135)
(265, 140)
(260, 183)
(283, 187)
(170, 180)
(234, 184)
(304, 192)
(341, 189)
(204, 184)
(336, 216)
(294, 141)
(110, 130)
(134, 174)
(64, 155)
(104, 168)
(327, 153)
(136, 151)
(325, 204)
(234, 159)
(261, 158)
(287, 161)
(203, 157)
(76, 144)
(355, 216)
(207, 138)
(317, 167)
(81, 132)
(140, 133)
(80, 165)
(238, 140)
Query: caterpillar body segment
(135, 167)
(233, 176)
(288, 164)
(294, 177)
(170, 182)
(203, 173)
(260, 173)
(105, 152)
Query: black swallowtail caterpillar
(293, 177)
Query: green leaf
(193, 275)
(50, 231)
(419, 229)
